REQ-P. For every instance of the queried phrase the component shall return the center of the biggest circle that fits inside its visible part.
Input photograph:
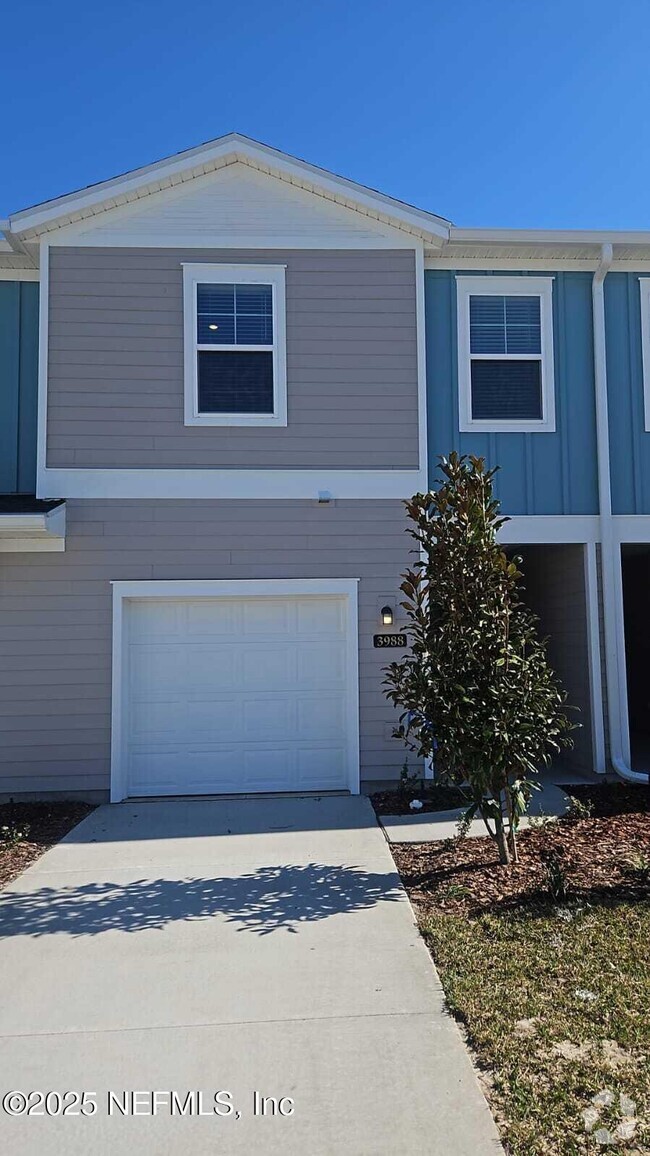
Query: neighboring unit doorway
(635, 563)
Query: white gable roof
(236, 206)
(194, 165)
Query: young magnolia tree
(475, 688)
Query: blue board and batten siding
(541, 473)
(629, 442)
(18, 386)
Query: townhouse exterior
(221, 376)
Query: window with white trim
(235, 345)
(505, 354)
(644, 286)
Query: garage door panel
(272, 716)
(269, 666)
(321, 665)
(208, 671)
(161, 669)
(221, 618)
(157, 722)
(264, 618)
(321, 769)
(155, 619)
(265, 766)
(325, 618)
(185, 772)
(236, 695)
(322, 716)
(214, 720)
(164, 670)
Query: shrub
(475, 686)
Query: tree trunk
(502, 842)
(512, 831)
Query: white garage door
(236, 694)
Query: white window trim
(644, 289)
(541, 287)
(123, 592)
(205, 274)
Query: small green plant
(557, 882)
(539, 820)
(11, 835)
(463, 825)
(639, 867)
(408, 781)
(579, 808)
(454, 891)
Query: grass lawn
(554, 996)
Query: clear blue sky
(508, 113)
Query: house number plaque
(388, 640)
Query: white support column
(593, 647)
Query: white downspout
(610, 547)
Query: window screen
(505, 325)
(235, 382)
(505, 352)
(234, 314)
(235, 356)
(507, 390)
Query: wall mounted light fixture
(387, 615)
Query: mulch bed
(612, 798)
(605, 857)
(28, 829)
(432, 796)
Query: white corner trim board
(421, 337)
(287, 593)
(501, 286)
(595, 659)
(644, 290)
(43, 344)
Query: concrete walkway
(550, 802)
(238, 947)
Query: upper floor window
(505, 354)
(644, 285)
(235, 345)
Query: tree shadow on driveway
(277, 898)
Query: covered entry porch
(560, 588)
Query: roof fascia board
(550, 263)
(18, 273)
(231, 149)
(548, 236)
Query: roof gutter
(615, 673)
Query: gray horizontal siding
(115, 363)
(55, 615)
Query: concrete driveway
(241, 947)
